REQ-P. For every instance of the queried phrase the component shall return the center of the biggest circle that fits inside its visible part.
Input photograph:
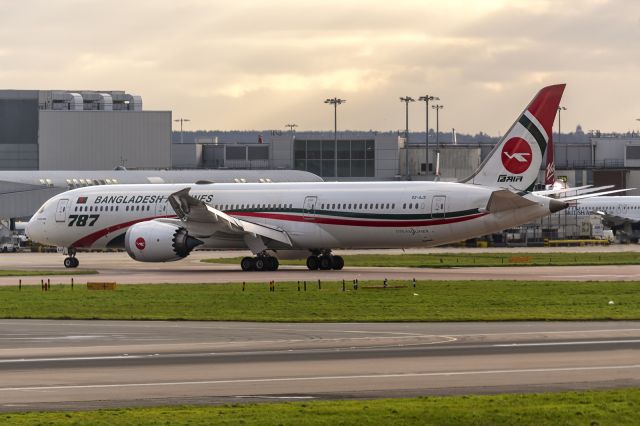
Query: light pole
(406, 101)
(291, 126)
(181, 120)
(437, 107)
(335, 102)
(426, 99)
(560, 109)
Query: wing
(202, 220)
(612, 220)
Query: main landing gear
(261, 262)
(325, 261)
(71, 261)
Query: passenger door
(61, 210)
(438, 206)
(309, 208)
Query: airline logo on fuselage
(516, 155)
(144, 199)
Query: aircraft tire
(260, 264)
(313, 263)
(68, 262)
(326, 262)
(247, 264)
(273, 263)
(338, 263)
(76, 262)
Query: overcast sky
(261, 64)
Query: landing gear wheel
(71, 262)
(338, 263)
(260, 264)
(272, 263)
(313, 263)
(247, 264)
(325, 262)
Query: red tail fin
(545, 106)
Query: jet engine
(158, 242)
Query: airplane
(618, 213)
(165, 222)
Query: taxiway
(118, 267)
(87, 364)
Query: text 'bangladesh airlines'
(160, 223)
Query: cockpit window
(44, 207)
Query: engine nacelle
(158, 242)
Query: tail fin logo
(517, 155)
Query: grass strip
(29, 273)
(428, 301)
(609, 407)
(452, 260)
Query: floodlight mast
(406, 100)
(181, 120)
(335, 102)
(291, 126)
(426, 99)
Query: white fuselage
(627, 207)
(314, 215)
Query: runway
(89, 364)
(118, 267)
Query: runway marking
(78, 358)
(320, 378)
(273, 397)
(620, 330)
(58, 337)
(594, 342)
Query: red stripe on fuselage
(90, 239)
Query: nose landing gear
(71, 261)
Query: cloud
(253, 64)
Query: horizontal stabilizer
(594, 194)
(548, 192)
(504, 200)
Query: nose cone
(33, 230)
